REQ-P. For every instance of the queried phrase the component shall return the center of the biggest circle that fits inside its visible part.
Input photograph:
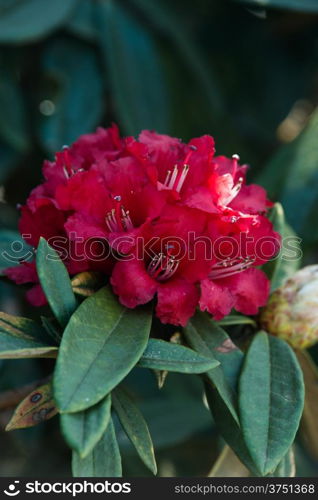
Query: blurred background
(242, 73)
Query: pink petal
(177, 301)
(201, 199)
(251, 290)
(251, 199)
(84, 226)
(132, 283)
(216, 298)
(44, 220)
(36, 296)
(24, 273)
(86, 192)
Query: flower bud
(292, 310)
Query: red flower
(166, 263)
(174, 221)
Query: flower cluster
(162, 218)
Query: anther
(234, 191)
(162, 267)
(233, 266)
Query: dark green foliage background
(183, 68)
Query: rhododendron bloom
(162, 219)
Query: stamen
(66, 173)
(234, 191)
(155, 265)
(111, 221)
(170, 270)
(126, 220)
(187, 158)
(162, 267)
(236, 159)
(70, 172)
(67, 168)
(167, 178)
(182, 178)
(174, 180)
(173, 177)
(230, 267)
(118, 219)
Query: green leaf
(193, 57)
(236, 319)
(19, 338)
(309, 428)
(103, 461)
(13, 249)
(208, 339)
(55, 282)
(9, 158)
(170, 420)
(229, 427)
(161, 375)
(82, 22)
(301, 184)
(37, 407)
(286, 467)
(20, 327)
(51, 330)
(161, 355)
(87, 283)
(18, 348)
(298, 5)
(141, 99)
(13, 123)
(285, 264)
(78, 107)
(27, 20)
(106, 341)
(221, 387)
(270, 416)
(273, 175)
(84, 429)
(135, 427)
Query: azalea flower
(176, 223)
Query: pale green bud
(292, 310)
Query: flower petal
(36, 296)
(45, 220)
(251, 290)
(216, 298)
(132, 283)
(24, 273)
(251, 199)
(177, 301)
